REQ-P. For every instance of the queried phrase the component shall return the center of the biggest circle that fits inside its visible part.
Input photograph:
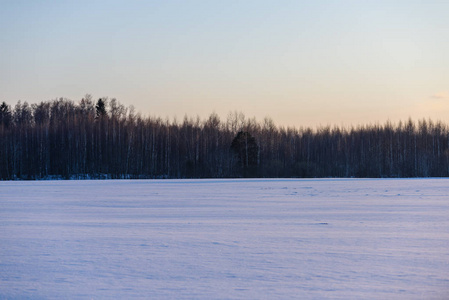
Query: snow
(225, 239)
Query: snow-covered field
(225, 239)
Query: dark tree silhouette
(5, 114)
(100, 108)
(245, 148)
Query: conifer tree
(246, 149)
(100, 108)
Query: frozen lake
(225, 239)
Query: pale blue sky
(303, 63)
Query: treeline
(104, 139)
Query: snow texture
(225, 239)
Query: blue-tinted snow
(225, 239)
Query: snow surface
(225, 239)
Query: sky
(301, 63)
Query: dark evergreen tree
(100, 108)
(245, 147)
(5, 114)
